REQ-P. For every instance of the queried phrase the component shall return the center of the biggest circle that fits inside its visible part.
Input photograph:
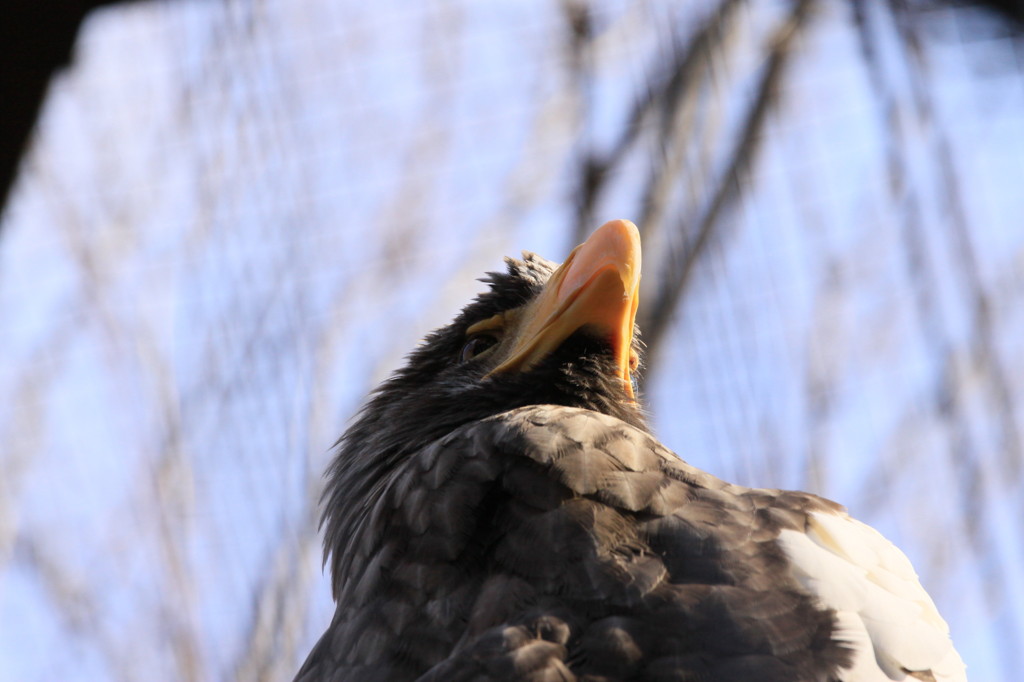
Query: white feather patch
(882, 612)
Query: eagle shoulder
(548, 541)
(882, 615)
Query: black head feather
(436, 392)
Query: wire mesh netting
(236, 218)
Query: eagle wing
(882, 611)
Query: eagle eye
(477, 345)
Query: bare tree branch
(656, 316)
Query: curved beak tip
(614, 244)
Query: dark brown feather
(552, 542)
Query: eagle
(500, 510)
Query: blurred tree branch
(657, 316)
(666, 96)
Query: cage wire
(237, 217)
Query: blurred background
(234, 218)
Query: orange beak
(598, 287)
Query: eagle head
(542, 333)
